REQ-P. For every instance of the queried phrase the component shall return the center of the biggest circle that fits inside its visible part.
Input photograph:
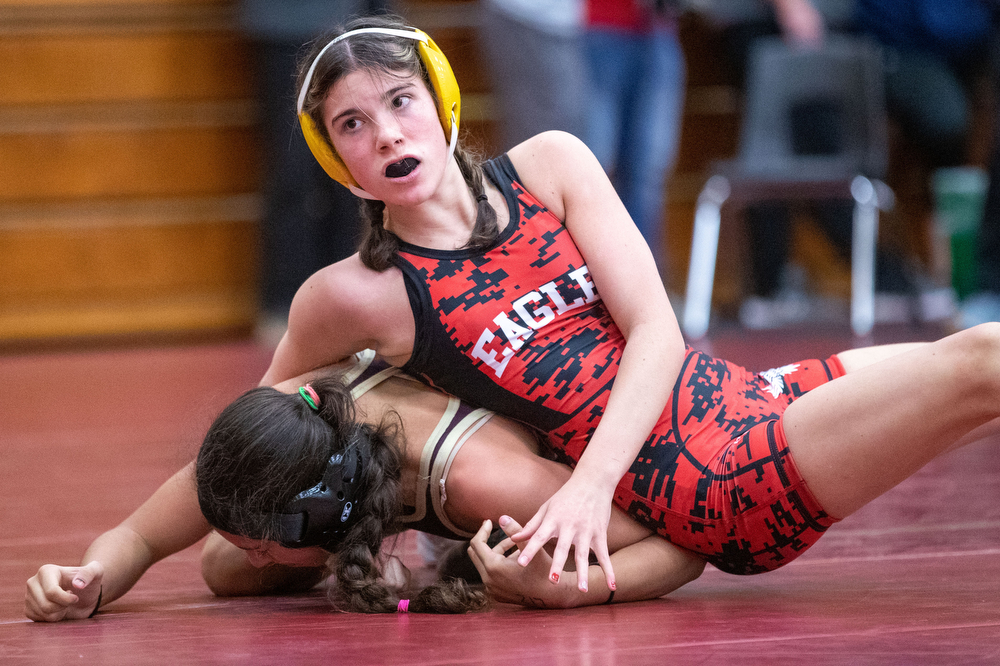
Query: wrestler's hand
(506, 580)
(63, 593)
(576, 515)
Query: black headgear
(321, 515)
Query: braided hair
(268, 446)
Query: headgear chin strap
(321, 515)
(442, 79)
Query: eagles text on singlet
(533, 310)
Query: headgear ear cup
(442, 80)
(333, 165)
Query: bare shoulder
(342, 309)
(551, 164)
(347, 284)
(337, 369)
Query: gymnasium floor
(85, 436)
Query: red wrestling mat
(86, 436)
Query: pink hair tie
(309, 394)
(403, 606)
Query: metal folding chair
(840, 88)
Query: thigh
(893, 411)
(855, 359)
(743, 506)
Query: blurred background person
(984, 303)
(637, 74)
(308, 221)
(533, 53)
(932, 53)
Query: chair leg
(864, 239)
(704, 250)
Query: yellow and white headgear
(442, 79)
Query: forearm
(647, 569)
(650, 363)
(125, 557)
(168, 522)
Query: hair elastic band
(403, 606)
(481, 197)
(309, 394)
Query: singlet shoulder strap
(456, 425)
(367, 373)
(469, 423)
(501, 172)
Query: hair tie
(309, 394)
(481, 197)
(403, 606)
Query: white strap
(410, 34)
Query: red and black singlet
(519, 328)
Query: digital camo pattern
(520, 329)
(526, 317)
(716, 477)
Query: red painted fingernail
(554, 577)
(613, 585)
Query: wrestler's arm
(647, 569)
(169, 521)
(499, 472)
(342, 309)
(559, 170)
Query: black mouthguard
(401, 168)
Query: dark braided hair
(393, 56)
(268, 446)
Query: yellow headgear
(442, 80)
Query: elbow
(219, 567)
(694, 569)
(213, 578)
(688, 571)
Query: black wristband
(101, 594)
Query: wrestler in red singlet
(521, 329)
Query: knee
(981, 339)
(978, 356)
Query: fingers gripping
(537, 532)
(56, 593)
(509, 546)
(478, 549)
